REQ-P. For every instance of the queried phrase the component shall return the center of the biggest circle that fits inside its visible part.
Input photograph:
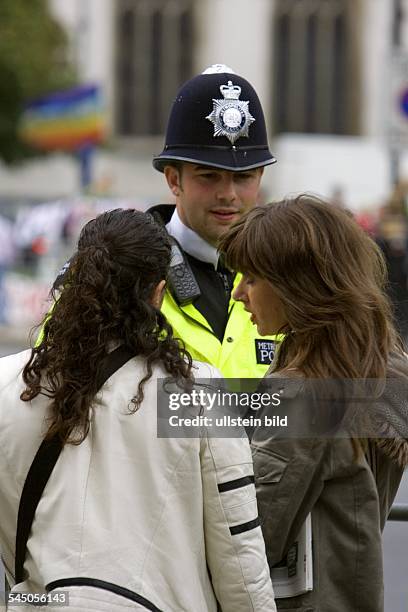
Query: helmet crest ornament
(230, 116)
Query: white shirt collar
(191, 242)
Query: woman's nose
(239, 294)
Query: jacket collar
(190, 241)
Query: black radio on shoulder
(180, 278)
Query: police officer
(213, 159)
(215, 151)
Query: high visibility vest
(243, 353)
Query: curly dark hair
(122, 255)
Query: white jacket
(132, 509)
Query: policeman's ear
(157, 296)
(173, 177)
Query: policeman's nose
(227, 190)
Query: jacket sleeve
(234, 544)
(289, 476)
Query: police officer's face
(260, 299)
(209, 200)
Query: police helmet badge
(230, 116)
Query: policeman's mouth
(225, 214)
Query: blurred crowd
(33, 247)
(389, 228)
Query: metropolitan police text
(223, 399)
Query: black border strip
(236, 484)
(245, 526)
(106, 586)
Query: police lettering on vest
(265, 350)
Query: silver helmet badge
(230, 116)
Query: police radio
(180, 278)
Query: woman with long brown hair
(105, 509)
(310, 273)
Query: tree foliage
(33, 62)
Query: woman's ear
(158, 294)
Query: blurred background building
(323, 69)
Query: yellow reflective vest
(243, 353)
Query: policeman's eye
(208, 175)
(245, 176)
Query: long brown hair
(122, 256)
(330, 276)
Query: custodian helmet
(216, 120)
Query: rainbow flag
(66, 120)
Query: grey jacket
(349, 498)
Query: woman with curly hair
(310, 273)
(123, 518)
